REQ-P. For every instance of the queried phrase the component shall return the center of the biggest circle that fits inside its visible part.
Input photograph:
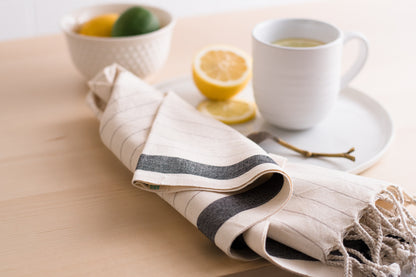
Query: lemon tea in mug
(298, 42)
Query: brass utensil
(258, 137)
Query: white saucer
(357, 121)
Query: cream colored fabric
(309, 220)
(138, 120)
(188, 158)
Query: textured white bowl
(142, 54)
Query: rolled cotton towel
(309, 220)
(188, 158)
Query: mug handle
(361, 58)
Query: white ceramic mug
(296, 87)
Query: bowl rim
(71, 33)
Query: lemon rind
(251, 114)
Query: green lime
(135, 21)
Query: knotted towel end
(382, 242)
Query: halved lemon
(221, 71)
(230, 111)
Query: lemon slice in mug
(221, 71)
(230, 111)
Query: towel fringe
(388, 231)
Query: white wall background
(26, 18)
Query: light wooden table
(66, 204)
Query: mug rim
(269, 21)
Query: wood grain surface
(66, 204)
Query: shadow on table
(266, 271)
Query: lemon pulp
(221, 71)
(231, 111)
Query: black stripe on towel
(174, 165)
(279, 250)
(358, 245)
(219, 211)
